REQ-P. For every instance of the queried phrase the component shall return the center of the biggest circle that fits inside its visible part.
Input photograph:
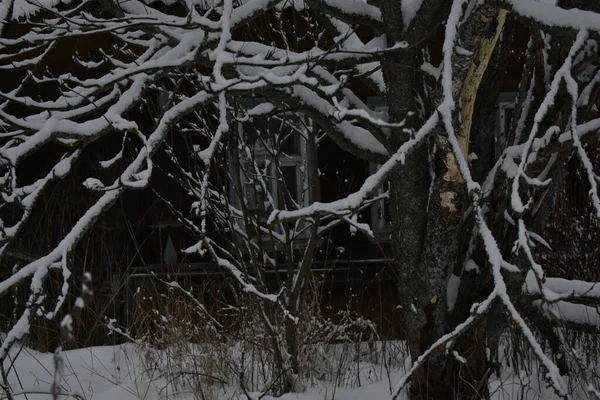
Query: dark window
(508, 116)
(290, 180)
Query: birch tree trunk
(428, 200)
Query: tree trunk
(427, 210)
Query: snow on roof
(26, 8)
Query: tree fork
(445, 226)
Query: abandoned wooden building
(141, 239)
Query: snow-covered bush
(469, 186)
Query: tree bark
(427, 210)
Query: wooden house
(140, 238)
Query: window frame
(286, 160)
(506, 100)
(379, 226)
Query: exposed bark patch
(447, 201)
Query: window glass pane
(380, 216)
(254, 196)
(506, 112)
(289, 142)
(252, 131)
(253, 190)
(508, 116)
(291, 181)
(386, 204)
(383, 208)
(290, 145)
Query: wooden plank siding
(126, 247)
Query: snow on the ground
(120, 373)
(110, 372)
